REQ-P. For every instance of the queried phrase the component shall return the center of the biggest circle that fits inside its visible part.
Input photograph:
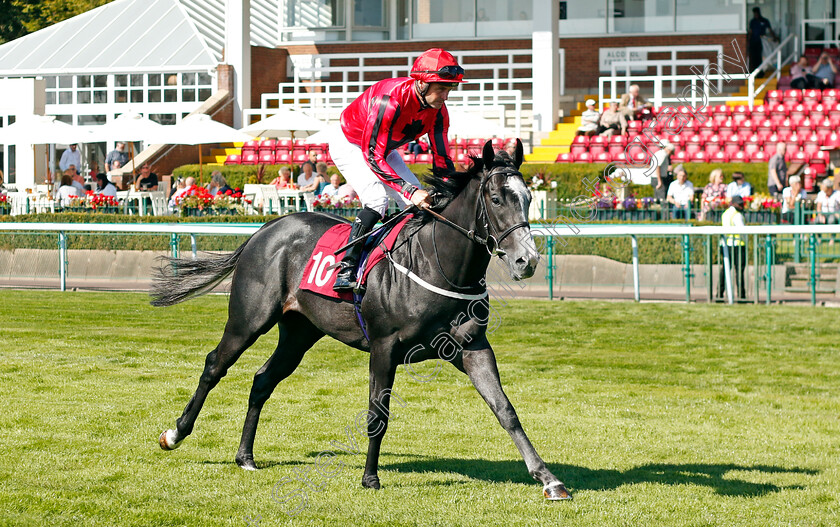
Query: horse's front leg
(480, 365)
(382, 371)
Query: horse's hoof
(556, 492)
(167, 440)
(246, 463)
(371, 482)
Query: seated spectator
(610, 121)
(828, 203)
(680, 194)
(105, 187)
(346, 191)
(589, 120)
(218, 184)
(147, 180)
(188, 184)
(510, 148)
(790, 196)
(283, 179)
(78, 181)
(308, 180)
(738, 187)
(332, 188)
(421, 146)
(66, 192)
(322, 177)
(631, 106)
(713, 194)
(799, 74)
(823, 72)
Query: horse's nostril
(520, 261)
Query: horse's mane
(446, 186)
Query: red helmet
(437, 65)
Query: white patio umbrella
(285, 121)
(467, 125)
(201, 129)
(42, 130)
(129, 126)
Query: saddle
(319, 273)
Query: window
(635, 16)
(495, 18)
(162, 118)
(723, 16)
(443, 18)
(90, 120)
(314, 13)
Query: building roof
(135, 35)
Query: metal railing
(760, 235)
(674, 61)
(832, 23)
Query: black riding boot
(346, 279)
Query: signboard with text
(606, 56)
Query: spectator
(757, 28)
(713, 194)
(66, 192)
(218, 184)
(118, 154)
(71, 156)
(184, 186)
(307, 180)
(313, 159)
(420, 146)
(790, 196)
(733, 217)
(589, 120)
(76, 179)
(828, 203)
(332, 188)
(631, 106)
(662, 177)
(321, 176)
(2, 185)
(680, 194)
(799, 75)
(510, 148)
(147, 180)
(116, 165)
(105, 187)
(610, 121)
(94, 169)
(777, 170)
(823, 72)
(283, 179)
(738, 187)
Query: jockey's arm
(375, 144)
(439, 143)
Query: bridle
(490, 240)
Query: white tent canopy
(284, 122)
(41, 130)
(129, 126)
(200, 129)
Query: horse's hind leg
(297, 335)
(243, 328)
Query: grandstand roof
(130, 35)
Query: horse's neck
(463, 261)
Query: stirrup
(345, 280)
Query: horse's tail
(180, 279)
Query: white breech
(373, 193)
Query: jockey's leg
(346, 278)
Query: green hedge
(569, 176)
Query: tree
(27, 16)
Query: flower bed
(5, 206)
(340, 206)
(198, 201)
(94, 203)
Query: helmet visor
(446, 72)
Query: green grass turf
(731, 421)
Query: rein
(490, 241)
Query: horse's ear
(519, 155)
(488, 154)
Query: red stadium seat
(798, 112)
(739, 157)
(580, 144)
(679, 157)
(812, 95)
(408, 158)
(565, 157)
(583, 157)
(792, 96)
(603, 157)
(774, 96)
(250, 147)
(729, 126)
(758, 157)
(250, 159)
(598, 144)
(620, 157)
(753, 144)
(617, 144)
(764, 126)
(267, 146)
(708, 129)
(805, 126)
(824, 126)
(299, 157)
(266, 158)
(731, 146)
(817, 113)
(811, 147)
(719, 157)
(423, 158)
(819, 162)
(233, 159)
(284, 144)
(723, 109)
(776, 109)
(833, 109)
(791, 149)
(700, 157)
(763, 135)
(676, 140)
(830, 96)
(759, 112)
(693, 144)
(497, 142)
(785, 126)
(799, 157)
(300, 144)
(282, 158)
(713, 145)
(746, 125)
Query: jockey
(389, 114)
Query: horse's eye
(495, 200)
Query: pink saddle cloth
(319, 274)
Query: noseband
(490, 240)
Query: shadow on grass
(581, 478)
